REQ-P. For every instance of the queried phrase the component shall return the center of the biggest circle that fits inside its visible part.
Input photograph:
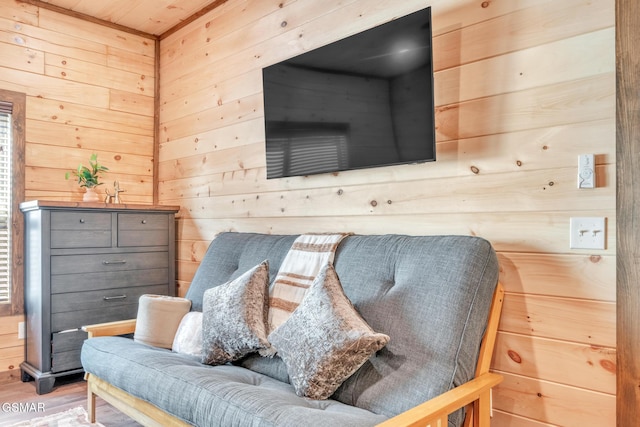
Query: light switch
(587, 233)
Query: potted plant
(88, 178)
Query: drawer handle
(81, 220)
(114, 297)
(144, 221)
(122, 261)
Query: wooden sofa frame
(475, 394)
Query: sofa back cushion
(230, 255)
(430, 294)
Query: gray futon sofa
(430, 294)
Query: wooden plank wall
(522, 88)
(90, 89)
(11, 349)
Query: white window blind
(5, 202)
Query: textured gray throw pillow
(325, 340)
(234, 317)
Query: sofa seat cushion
(203, 395)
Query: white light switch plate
(587, 233)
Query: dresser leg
(44, 380)
(44, 385)
(25, 377)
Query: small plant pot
(90, 195)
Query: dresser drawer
(143, 229)
(62, 283)
(80, 230)
(103, 299)
(76, 319)
(72, 264)
(67, 341)
(65, 350)
(66, 361)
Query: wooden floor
(69, 392)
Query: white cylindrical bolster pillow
(158, 319)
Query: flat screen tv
(363, 101)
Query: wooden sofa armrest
(434, 412)
(119, 327)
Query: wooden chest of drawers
(85, 264)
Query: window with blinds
(5, 202)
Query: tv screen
(364, 101)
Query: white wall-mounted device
(586, 171)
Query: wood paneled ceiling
(155, 17)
